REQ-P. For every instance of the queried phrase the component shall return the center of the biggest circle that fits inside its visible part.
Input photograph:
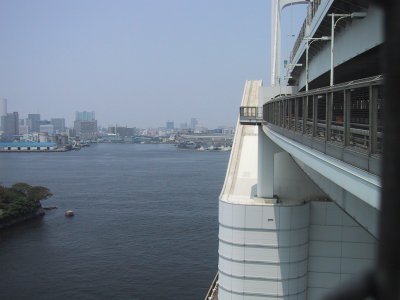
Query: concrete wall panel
(268, 257)
(339, 248)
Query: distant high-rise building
(71, 132)
(85, 116)
(3, 110)
(44, 122)
(23, 129)
(85, 125)
(193, 123)
(34, 122)
(122, 131)
(86, 130)
(27, 122)
(170, 125)
(10, 125)
(183, 126)
(3, 107)
(59, 124)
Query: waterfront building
(59, 124)
(23, 129)
(61, 139)
(298, 212)
(48, 128)
(43, 137)
(86, 130)
(85, 125)
(71, 132)
(26, 146)
(122, 131)
(34, 122)
(10, 125)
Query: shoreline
(38, 212)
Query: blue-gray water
(145, 224)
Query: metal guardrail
(348, 114)
(251, 115)
(311, 11)
(212, 293)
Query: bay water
(145, 224)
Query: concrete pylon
(265, 172)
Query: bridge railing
(212, 293)
(311, 11)
(251, 115)
(347, 115)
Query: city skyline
(132, 62)
(192, 122)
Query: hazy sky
(135, 63)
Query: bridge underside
(353, 68)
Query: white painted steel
(366, 215)
(276, 8)
(360, 183)
(368, 32)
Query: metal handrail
(251, 115)
(251, 111)
(359, 102)
(213, 288)
(311, 11)
(373, 80)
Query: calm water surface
(145, 224)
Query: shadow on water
(25, 227)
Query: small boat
(69, 213)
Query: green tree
(22, 187)
(37, 193)
(20, 199)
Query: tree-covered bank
(21, 202)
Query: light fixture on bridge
(309, 42)
(354, 15)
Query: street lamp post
(322, 38)
(355, 15)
